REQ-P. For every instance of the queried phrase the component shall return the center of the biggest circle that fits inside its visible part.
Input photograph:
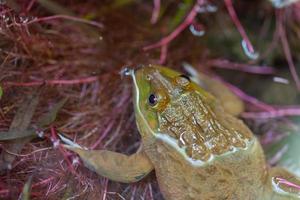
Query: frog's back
(203, 153)
(237, 175)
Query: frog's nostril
(186, 77)
(183, 80)
(148, 77)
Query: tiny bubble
(211, 8)
(24, 19)
(196, 32)
(280, 80)
(40, 134)
(282, 3)
(75, 161)
(250, 54)
(9, 166)
(208, 8)
(56, 143)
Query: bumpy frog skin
(198, 150)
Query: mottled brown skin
(197, 149)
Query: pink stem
(188, 20)
(225, 64)
(103, 135)
(238, 24)
(286, 182)
(286, 49)
(105, 189)
(155, 12)
(30, 5)
(280, 112)
(248, 98)
(54, 138)
(53, 82)
(163, 54)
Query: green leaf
(181, 13)
(26, 190)
(286, 152)
(14, 134)
(1, 92)
(49, 117)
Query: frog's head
(156, 87)
(171, 107)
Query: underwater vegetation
(61, 74)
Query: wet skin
(197, 147)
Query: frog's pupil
(152, 99)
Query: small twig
(155, 12)
(280, 112)
(55, 141)
(254, 69)
(163, 54)
(30, 5)
(240, 28)
(105, 189)
(53, 82)
(103, 135)
(286, 47)
(252, 100)
(150, 191)
(163, 43)
(68, 17)
(188, 20)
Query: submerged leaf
(183, 9)
(44, 121)
(49, 117)
(286, 152)
(26, 190)
(1, 92)
(14, 134)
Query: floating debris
(250, 54)
(282, 3)
(281, 80)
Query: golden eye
(158, 100)
(183, 80)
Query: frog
(197, 146)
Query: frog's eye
(158, 100)
(183, 80)
(152, 99)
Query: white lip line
(137, 102)
(197, 163)
(168, 139)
